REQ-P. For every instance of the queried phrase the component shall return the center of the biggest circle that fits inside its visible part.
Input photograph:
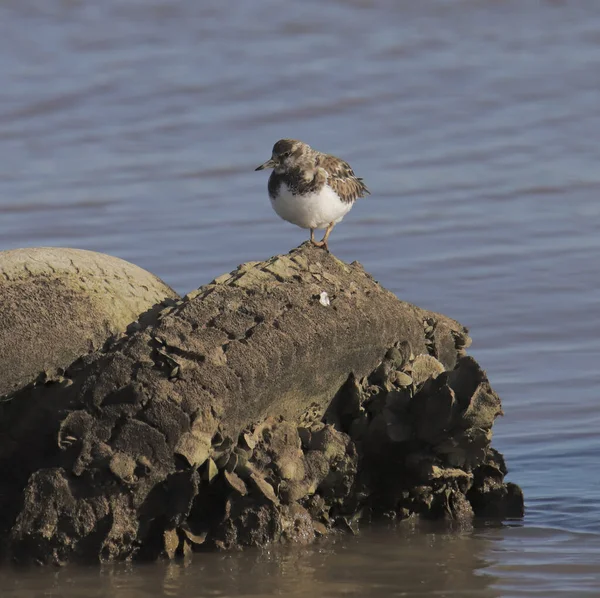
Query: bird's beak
(270, 163)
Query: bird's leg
(326, 236)
(312, 236)
(323, 241)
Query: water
(133, 127)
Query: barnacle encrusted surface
(252, 411)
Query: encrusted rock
(424, 367)
(248, 413)
(57, 304)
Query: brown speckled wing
(341, 178)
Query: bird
(311, 189)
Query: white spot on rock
(324, 299)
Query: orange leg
(323, 242)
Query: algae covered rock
(57, 304)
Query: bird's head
(286, 155)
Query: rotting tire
(57, 304)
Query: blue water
(134, 128)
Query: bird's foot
(322, 244)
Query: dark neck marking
(296, 181)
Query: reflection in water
(485, 563)
(378, 563)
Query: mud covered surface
(283, 401)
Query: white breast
(316, 210)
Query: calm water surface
(133, 127)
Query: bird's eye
(285, 154)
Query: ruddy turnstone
(311, 189)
